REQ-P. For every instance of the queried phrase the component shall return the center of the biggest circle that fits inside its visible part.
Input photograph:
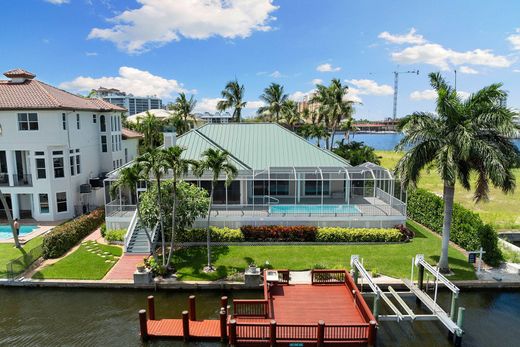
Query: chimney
(169, 137)
(19, 75)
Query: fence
(253, 308)
(328, 276)
(18, 265)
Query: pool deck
(40, 230)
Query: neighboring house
(134, 104)
(217, 117)
(55, 148)
(160, 114)
(130, 144)
(283, 179)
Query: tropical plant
(217, 162)
(233, 95)
(463, 137)
(150, 126)
(128, 178)
(274, 99)
(356, 152)
(179, 167)
(10, 219)
(154, 164)
(290, 115)
(183, 109)
(348, 127)
(314, 131)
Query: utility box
(253, 277)
(143, 277)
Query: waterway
(379, 141)
(79, 317)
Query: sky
(163, 47)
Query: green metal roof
(258, 146)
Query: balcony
(22, 180)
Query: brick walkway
(125, 267)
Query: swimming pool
(313, 209)
(6, 233)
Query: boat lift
(404, 312)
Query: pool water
(313, 209)
(6, 233)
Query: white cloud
(91, 54)
(317, 81)
(516, 70)
(299, 95)
(352, 95)
(514, 39)
(437, 55)
(158, 22)
(210, 104)
(57, 2)
(468, 70)
(276, 74)
(428, 94)
(130, 80)
(370, 87)
(462, 94)
(411, 37)
(327, 68)
(254, 104)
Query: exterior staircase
(136, 241)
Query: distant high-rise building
(134, 104)
(503, 102)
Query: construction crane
(396, 84)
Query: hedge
(65, 236)
(279, 233)
(467, 229)
(358, 235)
(115, 235)
(217, 235)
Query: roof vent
(19, 75)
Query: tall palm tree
(349, 128)
(274, 98)
(184, 107)
(150, 126)
(180, 124)
(290, 114)
(463, 137)
(10, 219)
(154, 164)
(129, 177)
(179, 167)
(233, 95)
(218, 162)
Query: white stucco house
(55, 148)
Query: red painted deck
(172, 328)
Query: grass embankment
(91, 261)
(502, 210)
(388, 259)
(8, 253)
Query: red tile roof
(36, 95)
(130, 134)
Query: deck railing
(328, 276)
(283, 277)
(354, 332)
(251, 308)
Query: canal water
(380, 141)
(78, 317)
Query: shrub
(103, 229)
(298, 233)
(467, 229)
(65, 236)
(358, 235)
(115, 235)
(217, 235)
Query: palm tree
(274, 98)
(129, 177)
(150, 126)
(218, 162)
(184, 107)
(154, 164)
(10, 219)
(349, 128)
(290, 114)
(463, 137)
(233, 95)
(179, 167)
(180, 124)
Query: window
(103, 143)
(78, 164)
(72, 165)
(59, 171)
(40, 168)
(39, 153)
(112, 142)
(313, 188)
(61, 202)
(57, 152)
(77, 121)
(112, 123)
(94, 118)
(64, 121)
(44, 203)
(279, 188)
(102, 124)
(126, 155)
(27, 121)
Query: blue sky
(162, 47)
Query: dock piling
(224, 303)
(192, 308)
(272, 333)
(143, 326)
(151, 307)
(372, 334)
(460, 322)
(223, 324)
(321, 333)
(185, 326)
(233, 333)
(420, 282)
(376, 305)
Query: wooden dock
(330, 310)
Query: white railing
(117, 209)
(269, 198)
(130, 230)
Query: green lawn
(91, 261)
(392, 260)
(501, 211)
(8, 252)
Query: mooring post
(192, 308)
(356, 275)
(321, 333)
(223, 324)
(354, 296)
(233, 333)
(185, 326)
(224, 303)
(151, 308)
(143, 325)
(420, 282)
(376, 305)
(372, 333)
(459, 331)
(272, 333)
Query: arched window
(102, 124)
